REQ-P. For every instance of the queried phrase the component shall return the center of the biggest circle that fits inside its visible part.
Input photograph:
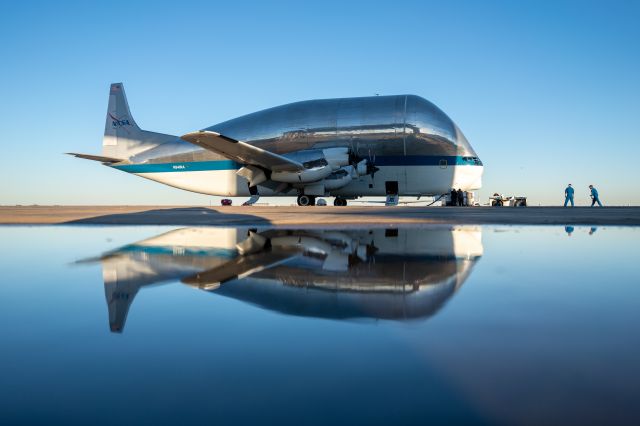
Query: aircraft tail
(122, 136)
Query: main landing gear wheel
(339, 201)
(306, 200)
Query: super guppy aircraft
(347, 148)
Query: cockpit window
(472, 160)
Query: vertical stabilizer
(122, 136)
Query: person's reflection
(593, 230)
(569, 230)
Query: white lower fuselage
(412, 180)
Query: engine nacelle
(313, 174)
(338, 179)
(362, 168)
(253, 174)
(336, 157)
(318, 164)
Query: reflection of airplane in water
(378, 273)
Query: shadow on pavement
(174, 216)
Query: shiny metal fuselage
(404, 136)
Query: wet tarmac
(442, 324)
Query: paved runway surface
(317, 216)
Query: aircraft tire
(340, 202)
(305, 200)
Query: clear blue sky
(546, 92)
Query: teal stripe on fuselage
(180, 251)
(381, 160)
(191, 166)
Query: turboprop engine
(324, 170)
(338, 178)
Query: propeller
(355, 159)
(371, 167)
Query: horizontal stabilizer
(242, 152)
(109, 160)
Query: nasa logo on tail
(119, 121)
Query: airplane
(346, 148)
(392, 274)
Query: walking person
(568, 195)
(454, 197)
(594, 196)
(460, 197)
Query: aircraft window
(321, 162)
(443, 164)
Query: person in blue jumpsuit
(594, 196)
(568, 195)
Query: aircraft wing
(240, 267)
(242, 152)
